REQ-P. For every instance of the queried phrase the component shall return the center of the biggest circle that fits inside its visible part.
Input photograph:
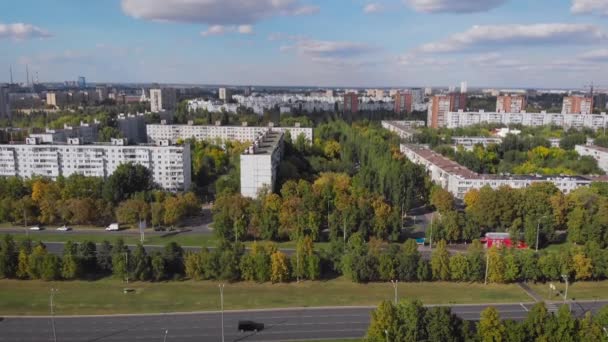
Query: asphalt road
(280, 325)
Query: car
(113, 227)
(35, 228)
(250, 326)
(64, 229)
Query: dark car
(250, 326)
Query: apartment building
(351, 103)
(597, 152)
(5, 110)
(133, 127)
(567, 121)
(86, 132)
(169, 165)
(403, 102)
(259, 163)
(441, 105)
(405, 129)
(459, 180)
(164, 99)
(511, 103)
(175, 133)
(577, 105)
(225, 94)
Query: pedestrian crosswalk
(552, 307)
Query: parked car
(64, 229)
(35, 228)
(250, 326)
(113, 227)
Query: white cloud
(498, 36)
(220, 30)
(453, 6)
(21, 31)
(373, 8)
(600, 55)
(590, 7)
(322, 49)
(214, 12)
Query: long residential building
(441, 105)
(174, 133)
(404, 129)
(511, 103)
(259, 163)
(169, 165)
(576, 121)
(459, 180)
(577, 105)
(597, 152)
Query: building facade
(459, 180)
(225, 94)
(577, 105)
(351, 103)
(170, 165)
(133, 127)
(5, 109)
(441, 105)
(567, 121)
(403, 102)
(511, 103)
(164, 99)
(597, 152)
(259, 163)
(404, 129)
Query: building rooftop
(266, 143)
(595, 147)
(452, 167)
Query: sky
(357, 43)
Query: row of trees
(128, 195)
(88, 261)
(582, 213)
(365, 262)
(411, 321)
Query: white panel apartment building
(170, 165)
(259, 163)
(576, 121)
(458, 180)
(404, 129)
(599, 153)
(174, 133)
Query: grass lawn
(589, 290)
(20, 297)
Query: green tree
(490, 328)
(279, 267)
(442, 199)
(22, 264)
(158, 266)
(458, 267)
(423, 272)
(512, 267)
(141, 264)
(70, 267)
(565, 326)
(440, 262)
(384, 320)
(132, 211)
(8, 257)
(35, 261)
(50, 268)
(127, 180)
(411, 325)
(496, 266)
(104, 257)
(537, 321)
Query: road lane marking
(523, 306)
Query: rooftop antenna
(27, 75)
(36, 81)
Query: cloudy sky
(502, 43)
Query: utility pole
(395, 284)
(298, 261)
(221, 286)
(565, 276)
(537, 234)
(127, 266)
(431, 237)
(52, 295)
(487, 264)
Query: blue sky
(502, 43)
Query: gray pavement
(280, 324)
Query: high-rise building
(259, 163)
(511, 103)
(101, 94)
(464, 87)
(5, 110)
(403, 102)
(441, 105)
(577, 105)
(82, 82)
(600, 101)
(133, 127)
(351, 103)
(329, 93)
(225, 94)
(162, 99)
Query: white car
(113, 227)
(64, 229)
(35, 228)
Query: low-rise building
(459, 180)
(597, 152)
(468, 143)
(259, 163)
(170, 165)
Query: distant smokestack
(10, 70)
(27, 75)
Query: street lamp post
(487, 266)
(395, 284)
(127, 266)
(386, 334)
(52, 295)
(165, 338)
(565, 276)
(221, 286)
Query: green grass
(22, 297)
(590, 290)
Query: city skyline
(502, 43)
